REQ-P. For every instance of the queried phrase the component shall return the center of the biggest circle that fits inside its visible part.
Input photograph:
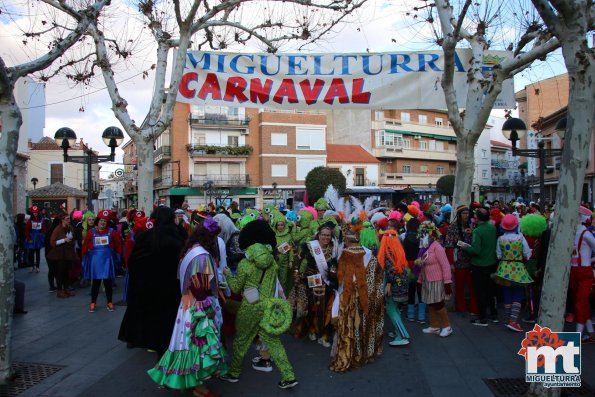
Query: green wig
(533, 225)
(367, 237)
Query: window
(440, 170)
(484, 154)
(233, 140)
(56, 173)
(423, 145)
(279, 170)
(405, 116)
(406, 143)
(439, 122)
(278, 139)
(359, 176)
(406, 169)
(200, 169)
(379, 115)
(484, 174)
(303, 166)
(423, 119)
(423, 169)
(310, 139)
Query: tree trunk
(145, 164)
(575, 155)
(464, 171)
(11, 121)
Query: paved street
(62, 332)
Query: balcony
(217, 119)
(220, 180)
(160, 183)
(407, 153)
(162, 154)
(501, 182)
(401, 178)
(214, 151)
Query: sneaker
(480, 323)
(258, 358)
(514, 326)
(421, 321)
(445, 332)
(229, 378)
(263, 365)
(52, 289)
(569, 318)
(494, 319)
(399, 342)
(110, 307)
(92, 308)
(431, 330)
(312, 337)
(288, 384)
(529, 320)
(324, 342)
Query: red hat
(150, 224)
(496, 215)
(138, 214)
(584, 211)
(34, 209)
(140, 224)
(105, 214)
(475, 205)
(382, 223)
(509, 222)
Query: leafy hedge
(446, 185)
(318, 180)
(244, 150)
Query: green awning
(433, 136)
(184, 191)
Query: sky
(380, 26)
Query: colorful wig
(392, 250)
(533, 225)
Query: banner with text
(399, 80)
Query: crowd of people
(198, 281)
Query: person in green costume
(195, 351)
(257, 270)
(304, 231)
(321, 206)
(285, 245)
(251, 215)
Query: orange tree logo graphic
(539, 337)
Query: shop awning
(433, 136)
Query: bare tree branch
(547, 14)
(62, 6)
(509, 65)
(462, 16)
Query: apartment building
(416, 147)
(508, 182)
(130, 188)
(360, 167)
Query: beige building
(46, 166)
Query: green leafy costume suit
(259, 270)
(283, 259)
(305, 232)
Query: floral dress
(195, 351)
(511, 270)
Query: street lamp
(514, 129)
(66, 139)
(275, 193)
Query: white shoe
(324, 342)
(445, 332)
(399, 342)
(312, 337)
(431, 330)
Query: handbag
(252, 294)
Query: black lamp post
(66, 138)
(514, 129)
(275, 193)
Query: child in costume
(512, 249)
(35, 231)
(533, 226)
(304, 223)
(285, 246)
(391, 258)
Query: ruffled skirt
(195, 351)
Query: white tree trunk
(145, 164)
(464, 172)
(575, 155)
(11, 119)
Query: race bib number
(315, 281)
(36, 225)
(101, 240)
(284, 248)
